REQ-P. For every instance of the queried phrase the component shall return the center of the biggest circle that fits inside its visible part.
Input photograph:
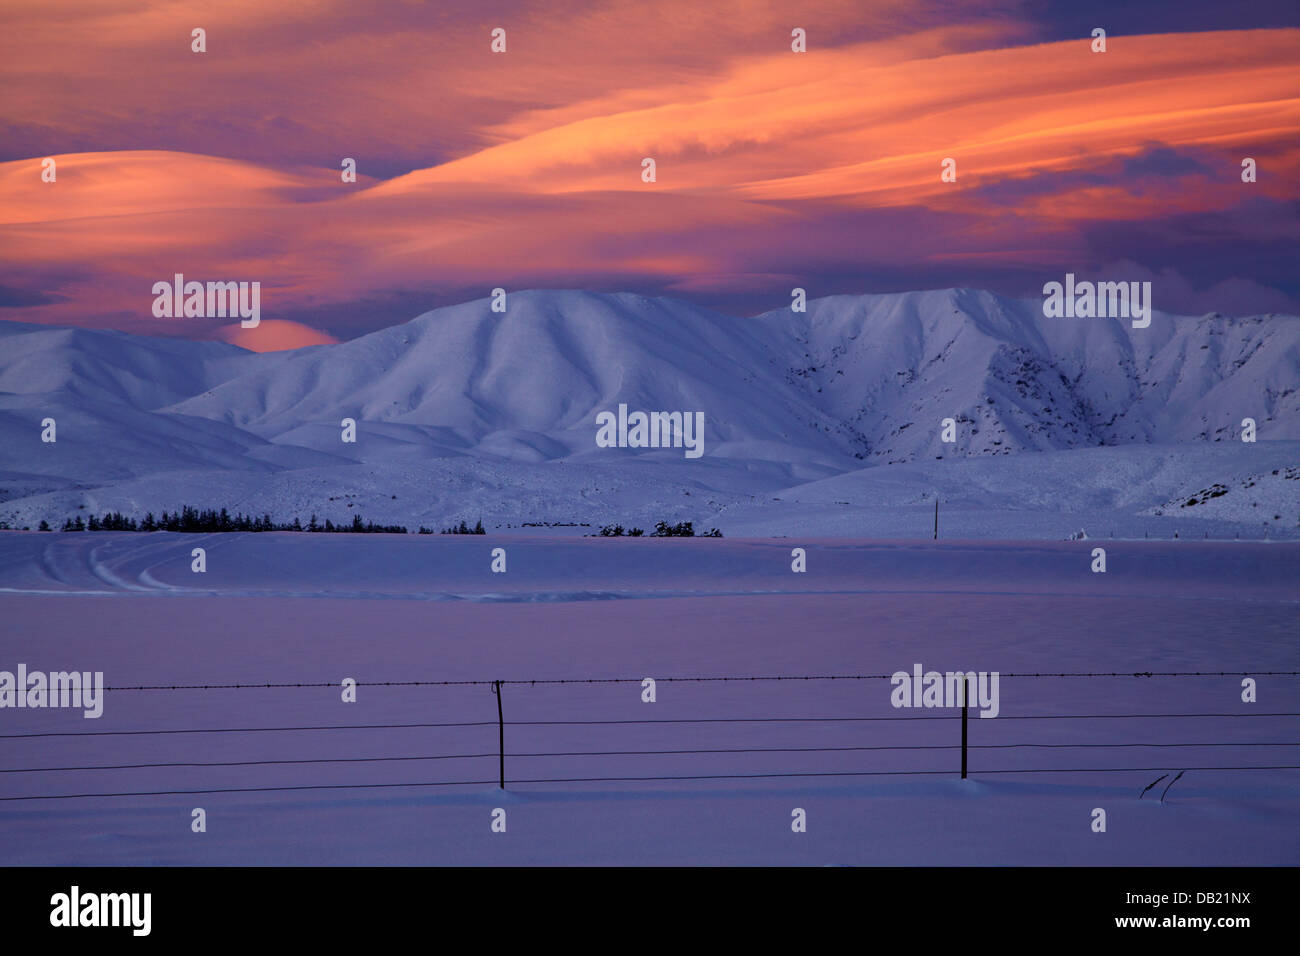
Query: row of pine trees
(683, 529)
(194, 520)
(209, 520)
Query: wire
(741, 776)
(594, 723)
(243, 763)
(238, 730)
(637, 680)
(615, 753)
(949, 717)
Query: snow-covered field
(315, 609)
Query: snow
(463, 413)
(401, 608)
(822, 433)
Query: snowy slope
(529, 383)
(891, 367)
(105, 366)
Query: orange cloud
(275, 335)
(315, 80)
(845, 125)
(756, 150)
(137, 183)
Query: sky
(524, 169)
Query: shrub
(683, 529)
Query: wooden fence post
(963, 736)
(501, 737)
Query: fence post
(964, 706)
(501, 736)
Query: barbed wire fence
(945, 740)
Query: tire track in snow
(145, 577)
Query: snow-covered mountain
(483, 400)
(890, 367)
(528, 384)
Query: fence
(947, 733)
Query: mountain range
(499, 409)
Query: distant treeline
(683, 529)
(461, 528)
(212, 520)
(206, 521)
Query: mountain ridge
(848, 378)
(853, 383)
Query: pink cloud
(275, 335)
